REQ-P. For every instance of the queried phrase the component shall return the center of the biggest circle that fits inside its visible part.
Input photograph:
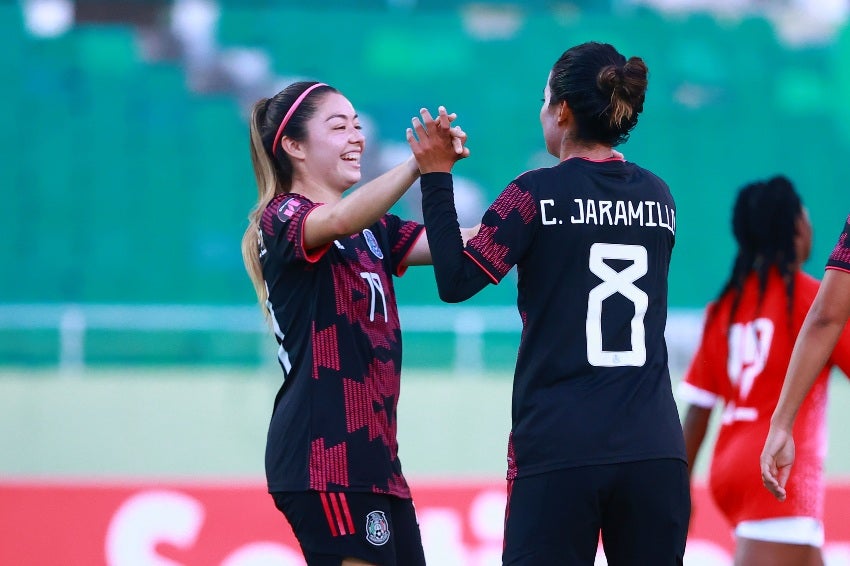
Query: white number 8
(621, 282)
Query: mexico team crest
(377, 528)
(372, 242)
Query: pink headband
(290, 112)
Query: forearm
(820, 332)
(420, 254)
(811, 352)
(361, 208)
(458, 278)
(367, 204)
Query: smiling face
(334, 143)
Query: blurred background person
(746, 343)
(822, 339)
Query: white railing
(470, 325)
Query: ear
(293, 148)
(565, 115)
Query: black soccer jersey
(840, 257)
(333, 427)
(592, 243)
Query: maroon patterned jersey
(840, 257)
(333, 427)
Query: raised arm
(366, 205)
(360, 209)
(457, 277)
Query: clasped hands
(435, 143)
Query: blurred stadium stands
(126, 177)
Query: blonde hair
(267, 188)
(284, 113)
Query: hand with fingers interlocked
(435, 143)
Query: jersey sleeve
(282, 224)
(458, 277)
(699, 386)
(507, 230)
(840, 256)
(403, 234)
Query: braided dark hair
(764, 222)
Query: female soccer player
(596, 444)
(822, 341)
(746, 345)
(322, 263)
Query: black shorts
(641, 509)
(380, 529)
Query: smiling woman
(322, 264)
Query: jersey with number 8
(592, 243)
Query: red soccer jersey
(741, 362)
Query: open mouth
(352, 157)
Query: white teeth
(351, 157)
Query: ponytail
(267, 187)
(285, 114)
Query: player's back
(592, 383)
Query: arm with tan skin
(820, 332)
(366, 205)
(420, 253)
(432, 141)
(359, 210)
